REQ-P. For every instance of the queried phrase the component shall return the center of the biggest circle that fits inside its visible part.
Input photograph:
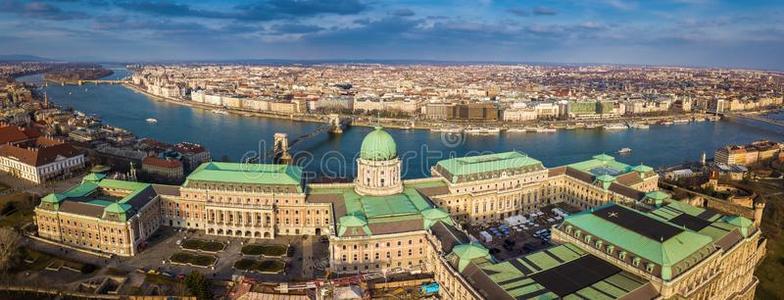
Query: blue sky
(669, 32)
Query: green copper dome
(378, 145)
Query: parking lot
(523, 234)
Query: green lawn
(266, 250)
(273, 266)
(197, 244)
(193, 259)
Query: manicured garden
(265, 250)
(267, 266)
(203, 245)
(193, 259)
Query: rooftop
(39, 152)
(244, 173)
(674, 237)
(492, 164)
(406, 211)
(101, 198)
(650, 238)
(560, 272)
(602, 164)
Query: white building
(40, 161)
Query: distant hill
(23, 57)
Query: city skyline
(690, 33)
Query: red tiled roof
(161, 163)
(41, 154)
(12, 134)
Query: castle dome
(378, 145)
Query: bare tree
(9, 241)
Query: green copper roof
(387, 206)
(605, 180)
(434, 215)
(378, 145)
(665, 253)
(468, 252)
(657, 195)
(118, 208)
(350, 221)
(745, 225)
(93, 177)
(407, 206)
(642, 168)
(115, 203)
(53, 198)
(498, 162)
(602, 164)
(603, 157)
(120, 211)
(100, 202)
(720, 225)
(269, 174)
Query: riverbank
(311, 118)
(76, 75)
(415, 124)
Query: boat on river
(220, 112)
(152, 120)
(625, 150)
(516, 130)
(615, 126)
(447, 129)
(546, 130)
(482, 130)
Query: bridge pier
(280, 148)
(334, 122)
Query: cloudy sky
(745, 33)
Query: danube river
(235, 136)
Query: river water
(235, 136)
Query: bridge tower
(280, 148)
(334, 122)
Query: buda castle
(631, 240)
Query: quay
(83, 82)
(753, 117)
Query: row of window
(378, 245)
(377, 255)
